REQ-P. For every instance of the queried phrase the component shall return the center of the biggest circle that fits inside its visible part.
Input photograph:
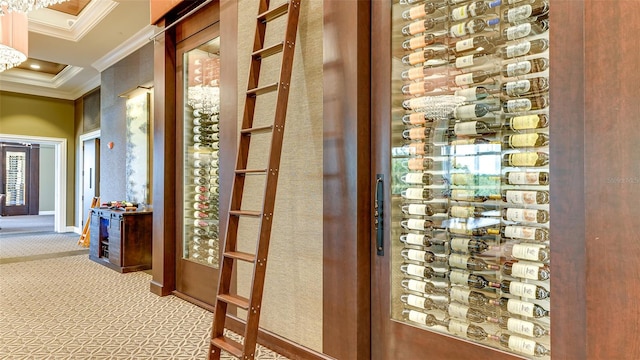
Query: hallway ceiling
(103, 32)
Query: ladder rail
(230, 254)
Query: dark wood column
(164, 145)
(347, 220)
(611, 178)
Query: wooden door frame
(60, 177)
(84, 137)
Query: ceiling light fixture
(14, 42)
(24, 6)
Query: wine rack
(16, 163)
(201, 236)
(470, 154)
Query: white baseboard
(74, 229)
(51, 212)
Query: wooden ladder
(230, 253)
(84, 236)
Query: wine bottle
(468, 246)
(525, 233)
(413, 149)
(530, 291)
(201, 205)
(474, 77)
(421, 26)
(477, 127)
(534, 27)
(525, 87)
(526, 270)
(527, 122)
(423, 209)
(470, 27)
(416, 133)
(473, 9)
(525, 104)
(422, 178)
(422, 163)
(524, 12)
(521, 345)
(526, 215)
(425, 54)
(205, 138)
(526, 178)
(524, 48)
(461, 277)
(421, 271)
(424, 40)
(463, 312)
(470, 211)
(423, 10)
(524, 251)
(416, 224)
(525, 67)
(518, 326)
(417, 194)
(471, 111)
(519, 307)
(468, 297)
(201, 223)
(525, 140)
(205, 121)
(470, 195)
(201, 197)
(422, 256)
(424, 287)
(201, 180)
(420, 103)
(462, 261)
(462, 328)
(420, 317)
(205, 129)
(421, 302)
(420, 240)
(200, 215)
(532, 158)
(526, 197)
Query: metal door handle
(377, 214)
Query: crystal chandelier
(14, 44)
(24, 6)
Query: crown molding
(123, 50)
(68, 27)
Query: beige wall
(29, 115)
(47, 172)
(292, 304)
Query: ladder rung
(236, 300)
(228, 345)
(266, 52)
(251, 171)
(257, 129)
(262, 90)
(274, 13)
(245, 213)
(240, 256)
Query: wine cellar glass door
(460, 115)
(198, 215)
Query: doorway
(19, 177)
(60, 174)
(88, 174)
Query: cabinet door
(460, 126)
(198, 214)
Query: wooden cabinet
(121, 240)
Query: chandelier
(24, 6)
(14, 44)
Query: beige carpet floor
(65, 306)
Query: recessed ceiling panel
(71, 7)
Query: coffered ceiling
(74, 41)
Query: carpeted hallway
(55, 303)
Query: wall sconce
(14, 38)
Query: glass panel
(202, 98)
(470, 175)
(16, 178)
